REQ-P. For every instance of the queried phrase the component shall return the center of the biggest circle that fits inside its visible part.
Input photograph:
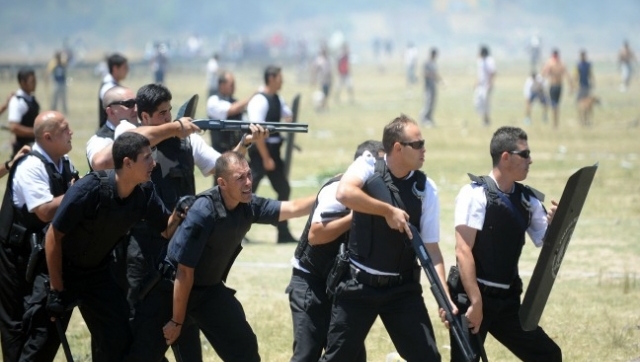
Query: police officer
(222, 105)
(268, 106)
(23, 109)
(34, 190)
(173, 177)
(95, 214)
(203, 251)
(118, 70)
(384, 278)
(491, 217)
(313, 259)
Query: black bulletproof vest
(103, 132)
(223, 141)
(274, 114)
(498, 245)
(88, 245)
(224, 243)
(58, 183)
(371, 242)
(28, 119)
(318, 259)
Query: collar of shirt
(36, 147)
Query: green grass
(593, 312)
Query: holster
(456, 289)
(36, 256)
(16, 235)
(338, 270)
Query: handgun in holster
(164, 271)
(35, 257)
(340, 267)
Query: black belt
(380, 281)
(497, 292)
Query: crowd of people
(145, 256)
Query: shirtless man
(626, 60)
(554, 71)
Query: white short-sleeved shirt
(204, 156)
(257, 112)
(486, 68)
(96, 143)
(364, 168)
(18, 107)
(471, 206)
(31, 181)
(108, 83)
(217, 108)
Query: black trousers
(13, 291)
(277, 177)
(220, 317)
(311, 314)
(402, 311)
(103, 307)
(144, 252)
(501, 319)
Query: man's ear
(126, 162)
(221, 182)
(145, 117)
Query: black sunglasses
(129, 103)
(523, 153)
(416, 145)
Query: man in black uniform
(203, 251)
(173, 177)
(95, 214)
(383, 277)
(317, 249)
(34, 190)
(492, 215)
(268, 106)
(118, 70)
(23, 109)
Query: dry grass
(593, 311)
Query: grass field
(593, 312)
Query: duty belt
(380, 281)
(496, 292)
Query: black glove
(184, 202)
(56, 305)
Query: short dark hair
(505, 139)
(222, 78)
(484, 51)
(373, 146)
(271, 71)
(128, 144)
(224, 162)
(434, 52)
(115, 60)
(394, 131)
(25, 73)
(150, 97)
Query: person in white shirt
(484, 85)
(212, 74)
(23, 109)
(118, 70)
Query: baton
(228, 125)
(63, 340)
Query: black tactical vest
(318, 259)
(28, 119)
(498, 245)
(223, 141)
(371, 242)
(274, 114)
(224, 243)
(88, 245)
(58, 184)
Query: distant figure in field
(159, 63)
(57, 69)
(484, 85)
(535, 45)
(626, 61)
(212, 75)
(585, 80)
(534, 90)
(344, 71)
(322, 75)
(431, 79)
(410, 63)
(118, 70)
(554, 72)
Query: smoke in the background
(32, 30)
